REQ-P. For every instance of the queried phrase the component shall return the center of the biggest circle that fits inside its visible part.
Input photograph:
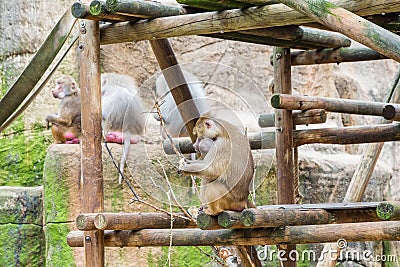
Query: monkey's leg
(57, 119)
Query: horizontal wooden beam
(288, 36)
(253, 39)
(136, 221)
(339, 136)
(224, 4)
(283, 217)
(348, 135)
(255, 218)
(296, 102)
(143, 9)
(311, 116)
(325, 206)
(291, 214)
(304, 234)
(228, 21)
(298, 34)
(330, 55)
(132, 221)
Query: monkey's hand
(48, 118)
(183, 162)
(193, 167)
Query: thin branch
(136, 196)
(172, 192)
(215, 259)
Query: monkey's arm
(196, 167)
(57, 119)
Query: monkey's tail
(248, 255)
(125, 151)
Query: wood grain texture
(304, 234)
(91, 159)
(229, 20)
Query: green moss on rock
(22, 151)
(56, 192)
(21, 245)
(58, 253)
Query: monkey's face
(206, 128)
(64, 86)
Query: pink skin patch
(117, 137)
(71, 138)
(73, 141)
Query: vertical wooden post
(92, 168)
(284, 143)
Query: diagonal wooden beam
(341, 20)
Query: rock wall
(22, 238)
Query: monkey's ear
(73, 85)
(208, 124)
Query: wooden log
(136, 221)
(356, 27)
(91, 161)
(230, 219)
(143, 9)
(329, 55)
(177, 83)
(262, 140)
(353, 215)
(388, 21)
(220, 5)
(292, 102)
(262, 40)
(258, 140)
(85, 222)
(304, 234)
(207, 222)
(311, 116)
(282, 217)
(274, 217)
(348, 135)
(284, 140)
(82, 11)
(325, 206)
(302, 35)
(214, 5)
(388, 211)
(228, 21)
(339, 136)
(391, 112)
